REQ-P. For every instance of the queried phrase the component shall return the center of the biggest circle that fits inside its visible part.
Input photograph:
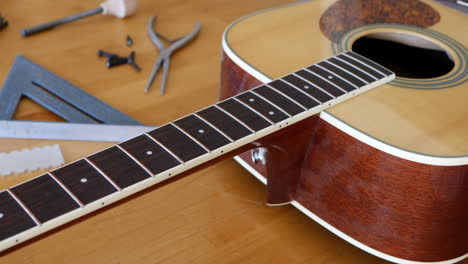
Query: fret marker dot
(1, 215)
(83, 180)
(271, 113)
(306, 87)
(251, 100)
(330, 77)
(201, 131)
(149, 152)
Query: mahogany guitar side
(390, 204)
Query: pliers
(165, 53)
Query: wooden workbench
(217, 215)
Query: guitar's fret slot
(66, 189)
(271, 103)
(201, 132)
(84, 181)
(357, 68)
(309, 89)
(214, 127)
(235, 118)
(329, 86)
(250, 117)
(119, 167)
(327, 64)
(360, 65)
(331, 77)
(24, 207)
(253, 110)
(266, 109)
(345, 75)
(369, 63)
(319, 83)
(191, 137)
(352, 70)
(136, 160)
(57, 202)
(14, 219)
(336, 74)
(165, 148)
(301, 90)
(177, 142)
(102, 173)
(304, 99)
(225, 123)
(292, 110)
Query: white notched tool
(70, 131)
(118, 8)
(30, 159)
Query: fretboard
(62, 195)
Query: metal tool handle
(33, 30)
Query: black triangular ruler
(57, 95)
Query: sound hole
(407, 55)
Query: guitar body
(386, 171)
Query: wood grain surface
(217, 215)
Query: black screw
(115, 61)
(106, 54)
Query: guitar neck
(62, 195)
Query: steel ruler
(70, 131)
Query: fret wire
(191, 137)
(165, 148)
(66, 189)
(214, 127)
(334, 74)
(359, 69)
(318, 87)
(235, 118)
(362, 62)
(339, 76)
(103, 174)
(134, 159)
(246, 91)
(348, 72)
(33, 217)
(339, 67)
(325, 79)
(252, 109)
(297, 88)
(287, 97)
(195, 114)
(270, 102)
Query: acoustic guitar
(366, 141)
(386, 171)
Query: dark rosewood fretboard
(67, 193)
